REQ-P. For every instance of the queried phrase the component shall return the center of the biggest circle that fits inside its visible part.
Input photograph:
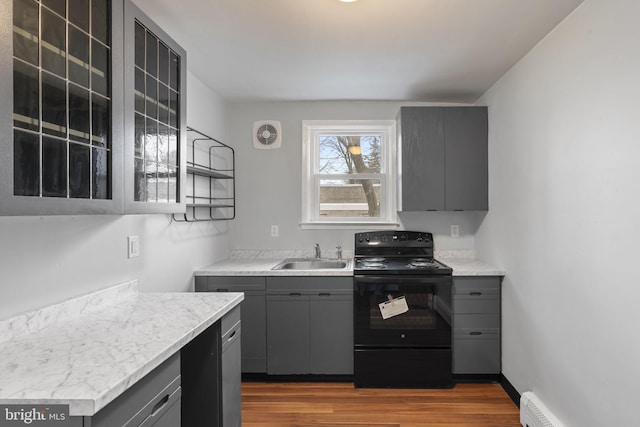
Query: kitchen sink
(310, 264)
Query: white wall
(564, 151)
(269, 183)
(47, 259)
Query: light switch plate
(133, 246)
(455, 231)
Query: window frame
(312, 130)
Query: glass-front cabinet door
(60, 127)
(92, 118)
(155, 117)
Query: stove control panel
(394, 239)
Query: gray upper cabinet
(82, 135)
(60, 122)
(154, 117)
(443, 159)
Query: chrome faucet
(339, 251)
(318, 252)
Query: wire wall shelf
(211, 192)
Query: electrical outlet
(275, 231)
(455, 231)
(133, 246)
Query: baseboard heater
(533, 413)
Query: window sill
(328, 225)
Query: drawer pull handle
(160, 404)
(233, 334)
(295, 294)
(475, 294)
(222, 290)
(475, 333)
(324, 294)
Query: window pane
(25, 30)
(350, 198)
(101, 20)
(78, 57)
(79, 171)
(349, 154)
(79, 113)
(26, 96)
(26, 164)
(101, 179)
(54, 167)
(54, 105)
(79, 13)
(54, 42)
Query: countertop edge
(133, 369)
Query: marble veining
(89, 359)
(34, 321)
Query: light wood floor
(342, 405)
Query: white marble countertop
(260, 263)
(86, 351)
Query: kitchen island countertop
(86, 351)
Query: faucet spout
(318, 252)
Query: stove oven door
(424, 322)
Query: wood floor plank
(342, 405)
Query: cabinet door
(331, 334)
(232, 377)
(422, 159)
(287, 334)
(154, 117)
(466, 159)
(254, 316)
(60, 119)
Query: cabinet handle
(475, 294)
(233, 334)
(475, 333)
(160, 404)
(222, 290)
(295, 294)
(324, 294)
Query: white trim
(311, 132)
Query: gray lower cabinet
(443, 158)
(211, 375)
(254, 317)
(309, 325)
(476, 325)
(155, 400)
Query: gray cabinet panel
(421, 132)
(310, 325)
(466, 154)
(331, 331)
(443, 158)
(476, 325)
(254, 315)
(231, 375)
(476, 353)
(287, 334)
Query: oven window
(424, 320)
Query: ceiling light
(348, 1)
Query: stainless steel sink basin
(310, 264)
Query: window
(348, 173)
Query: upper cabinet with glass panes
(72, 140)
(155, 89)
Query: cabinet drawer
(306, 285)
(476, 354)
(235, 284)
(140, 399)
(476, 304)
(476, 286)
(229, 320)
(476, 321)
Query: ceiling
(396, 50)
